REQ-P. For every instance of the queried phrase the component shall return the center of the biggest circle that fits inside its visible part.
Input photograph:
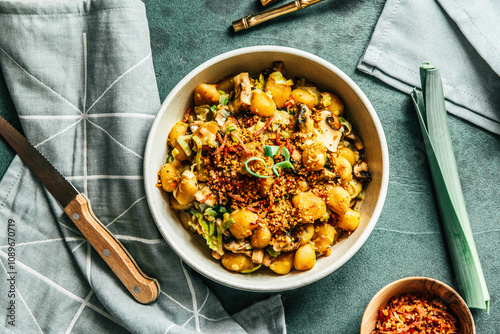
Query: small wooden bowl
(428, 287)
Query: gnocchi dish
(266, 170)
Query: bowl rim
(384, 163)
(383, 290)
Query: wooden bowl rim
(402, 282)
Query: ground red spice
(414, 314)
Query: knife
(77, 206)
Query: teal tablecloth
(407, 240)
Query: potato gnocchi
(267, 170)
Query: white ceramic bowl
(298, 63)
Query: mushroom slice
(216, 255)
(328, 175)
(357, 141)
(238, 246)
(267, 259)
(258, 255)
(306, 123)
(328, 134)
(284, 243)
(243, 91)
(361, 172)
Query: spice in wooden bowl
(410, 313)
(417, 305)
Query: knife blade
(78, 208)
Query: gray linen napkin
(81, 76)
(460, 37)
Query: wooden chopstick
(266, 2)
(253, 20)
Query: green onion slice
(230, 128)
(251, 270)
(227, 223)
(346, 126)
(252, 172)
(272, 150)
(224, 98)
(198, 148)
(271, 252)
(183, 142)
(279, 79)
(283, 164)
(431, 113)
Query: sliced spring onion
(175, 152)
(272, 150)
(252, 172)
(210, 214)
(198, 148)
(271, 252)
(204, 227)
(279, 79)
(183, 142)
(230, 128)
(326, 99)
(260, 83)
(346, 126)
(218, 211)
(227, 223)
(251, 270)
(431, 113)
(219, 248)
(224, 98)
(211, 228)
(283, 164)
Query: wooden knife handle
(144, 289)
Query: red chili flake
(222, 145)
(269, 121)
(204, 199)
(414, 314)
(234, 119)
(236, 197)
(289, 103)
(253, 209)
(289, 146)
(281, 148)
(278, 138)
(186, 115)
(241, 142)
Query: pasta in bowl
(264, 163)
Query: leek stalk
(431, 113)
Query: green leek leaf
(431, 114)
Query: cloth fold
(81, 77)
(459, 37)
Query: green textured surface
(407, 240)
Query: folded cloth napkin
(81, 77)
(460, 37)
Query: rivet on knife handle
(144, 289)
